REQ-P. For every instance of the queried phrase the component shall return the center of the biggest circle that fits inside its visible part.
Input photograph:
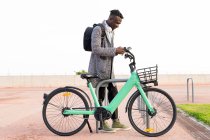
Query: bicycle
(151, 111)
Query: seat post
(88, 81)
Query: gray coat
(102, 57)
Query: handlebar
(130, 55)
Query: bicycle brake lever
(126, 56)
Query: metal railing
(100, 84)
(190, 79)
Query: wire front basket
(148, 75)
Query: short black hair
(116, 12)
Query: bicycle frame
(132, 81)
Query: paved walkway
(21, 117)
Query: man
(101, 62)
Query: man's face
(115, 21)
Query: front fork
(151, 110)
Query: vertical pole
(188, 89)
(106, 101)
(97, 94)
(141, 107)
(99, 125)
(192, 91)
(147, 115)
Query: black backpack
(87, 36)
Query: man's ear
(111, 17)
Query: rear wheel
(54, 106)
(160, 123)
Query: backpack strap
(103, 33)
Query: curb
(193, 119)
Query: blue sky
(45, 36)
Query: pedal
(100, 126)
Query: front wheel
(159, 124)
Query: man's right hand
(120, 50)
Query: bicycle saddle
(88, 76)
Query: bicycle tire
(159, 124)
(55, 120)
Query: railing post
(106, 97)
(188, 79)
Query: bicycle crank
(102, 114)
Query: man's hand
(120, 50)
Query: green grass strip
(199, 111)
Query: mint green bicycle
(151, 111)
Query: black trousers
(112, 92)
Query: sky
(45, 37)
